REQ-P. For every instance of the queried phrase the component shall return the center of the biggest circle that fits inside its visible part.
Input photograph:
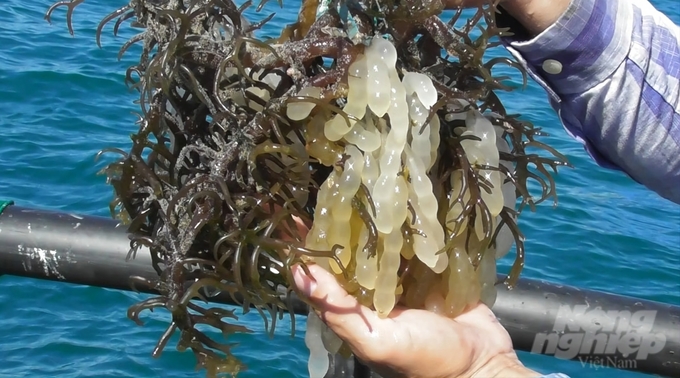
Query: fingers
(355, 324)
(285, 232)
(302, 228)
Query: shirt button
(552, 66)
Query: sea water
(62, 99)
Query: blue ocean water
(62, 99)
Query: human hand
(534, 15)
(412, 343)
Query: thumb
(352, 322)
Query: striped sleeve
(612, 73)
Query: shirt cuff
(580, 50)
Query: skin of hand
(534, 15)
(413, 343)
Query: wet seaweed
(216, 171)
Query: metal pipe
(592, 327)
(541, 317)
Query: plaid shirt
(612, 72)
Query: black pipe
(592, 327)
(541, 317)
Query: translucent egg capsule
(384, 298)
(318, 362)
(357, 100)
(379, 89)
(367, 266)
(365, 135)
(298, 111)
(421, 85)
(382, 49)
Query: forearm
(535, 15)
(611, 71)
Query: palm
(413, 343)
(430, 345)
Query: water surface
(62, 99)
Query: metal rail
(91, 251)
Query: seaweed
(217, 172)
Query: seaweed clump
(374, 123)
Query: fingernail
(305, 283)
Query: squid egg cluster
(384, 177)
